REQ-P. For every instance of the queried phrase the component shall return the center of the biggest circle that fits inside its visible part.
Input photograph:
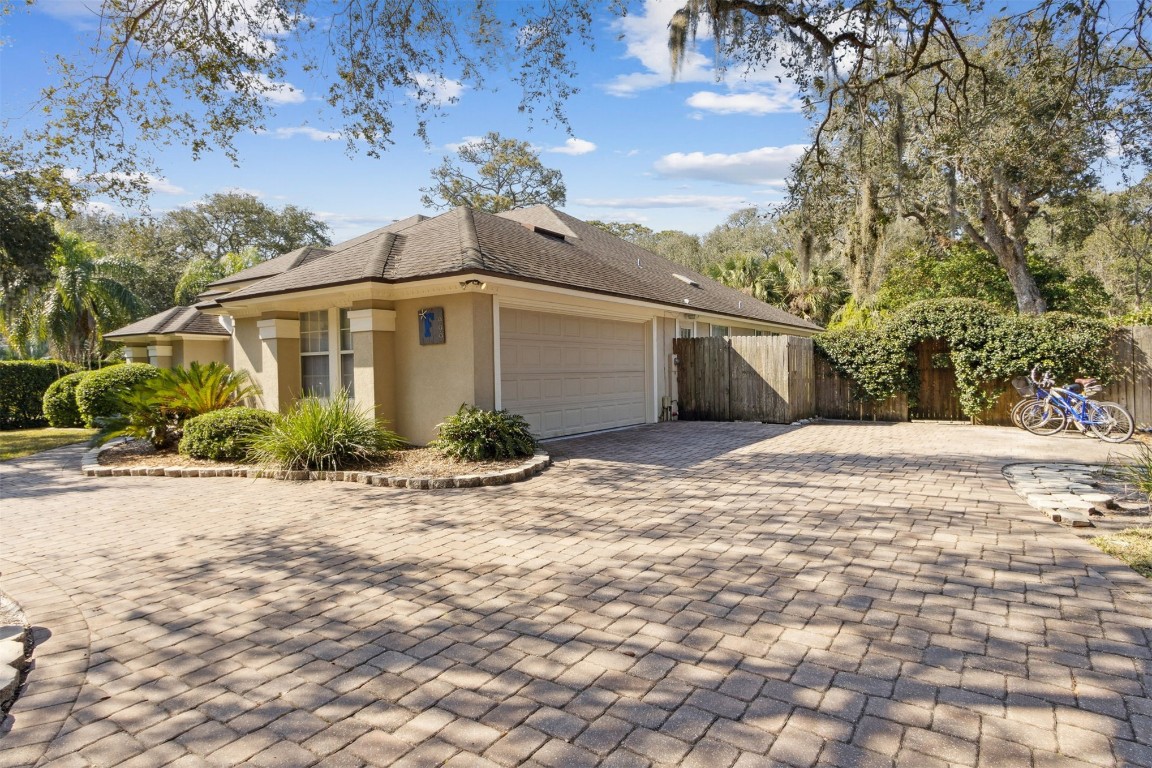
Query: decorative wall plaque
(432, 325)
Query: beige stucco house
(530, 310)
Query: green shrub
(22, 387)
(986, 348)
(60, 401)
(101, 394)
(156, 408)
(473, 434)
(318, 435)
(224, 435)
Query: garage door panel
(567, 374)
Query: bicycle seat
(1076, 388)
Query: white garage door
(567, 374)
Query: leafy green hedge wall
(987, 347)
(22, 387)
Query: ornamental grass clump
(473, 434)
(1136, 471)
(323, 435)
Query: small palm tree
(87, 295)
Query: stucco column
(279, 377)
(135, 354)
(160, 355)
(374, 358)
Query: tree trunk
(1002, 233)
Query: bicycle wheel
(1041, 418)
(1019, 409)
(1110, 422)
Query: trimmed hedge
(100, 394)
(60, 401)
(224, 435)
(22, 387)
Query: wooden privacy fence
(745, 378)
(778, 379)
(1131, 383)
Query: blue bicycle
(1055, 408)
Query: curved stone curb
(91, 467)
(1065, 492)
(15, 644)
(56, 672)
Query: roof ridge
(470, 241)
(378, 262)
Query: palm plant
(87, 295)
(157, 409)
(200, 388)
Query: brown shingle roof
(174, 320)
(572, 254)
(272, 266)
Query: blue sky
(668, 155)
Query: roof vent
(684, 279)
(548, 234)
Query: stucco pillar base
(279, 378)
(160, 355)
(373, 348)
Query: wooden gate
(938, 396)
(744, 378)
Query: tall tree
(983, 163)
(87, 295)
(494, 174)
(229, 222)
(202, 270)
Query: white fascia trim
(667, 310)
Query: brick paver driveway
(680, 594)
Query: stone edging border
(91, 467)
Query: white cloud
(83, 15)
(275, 91)
(315, 134)
(711, 202)
(767, 165)
(243, 191)
(746, 103)
(574, 147)
(464, 142)
(155, 183)
(645, 36)
(436, 90)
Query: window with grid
(347, 359)
(314, 363)
(719, 330)
(686, 333)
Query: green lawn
(24, 442)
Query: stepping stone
(1073, 501)
(8, 678)
(1072, 517)
(1098, 499)
(12, 653)
(1044, 501)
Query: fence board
(744, 378)
(833, 398)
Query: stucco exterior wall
(433, 380)
(203, 351)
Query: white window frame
(335, 352)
